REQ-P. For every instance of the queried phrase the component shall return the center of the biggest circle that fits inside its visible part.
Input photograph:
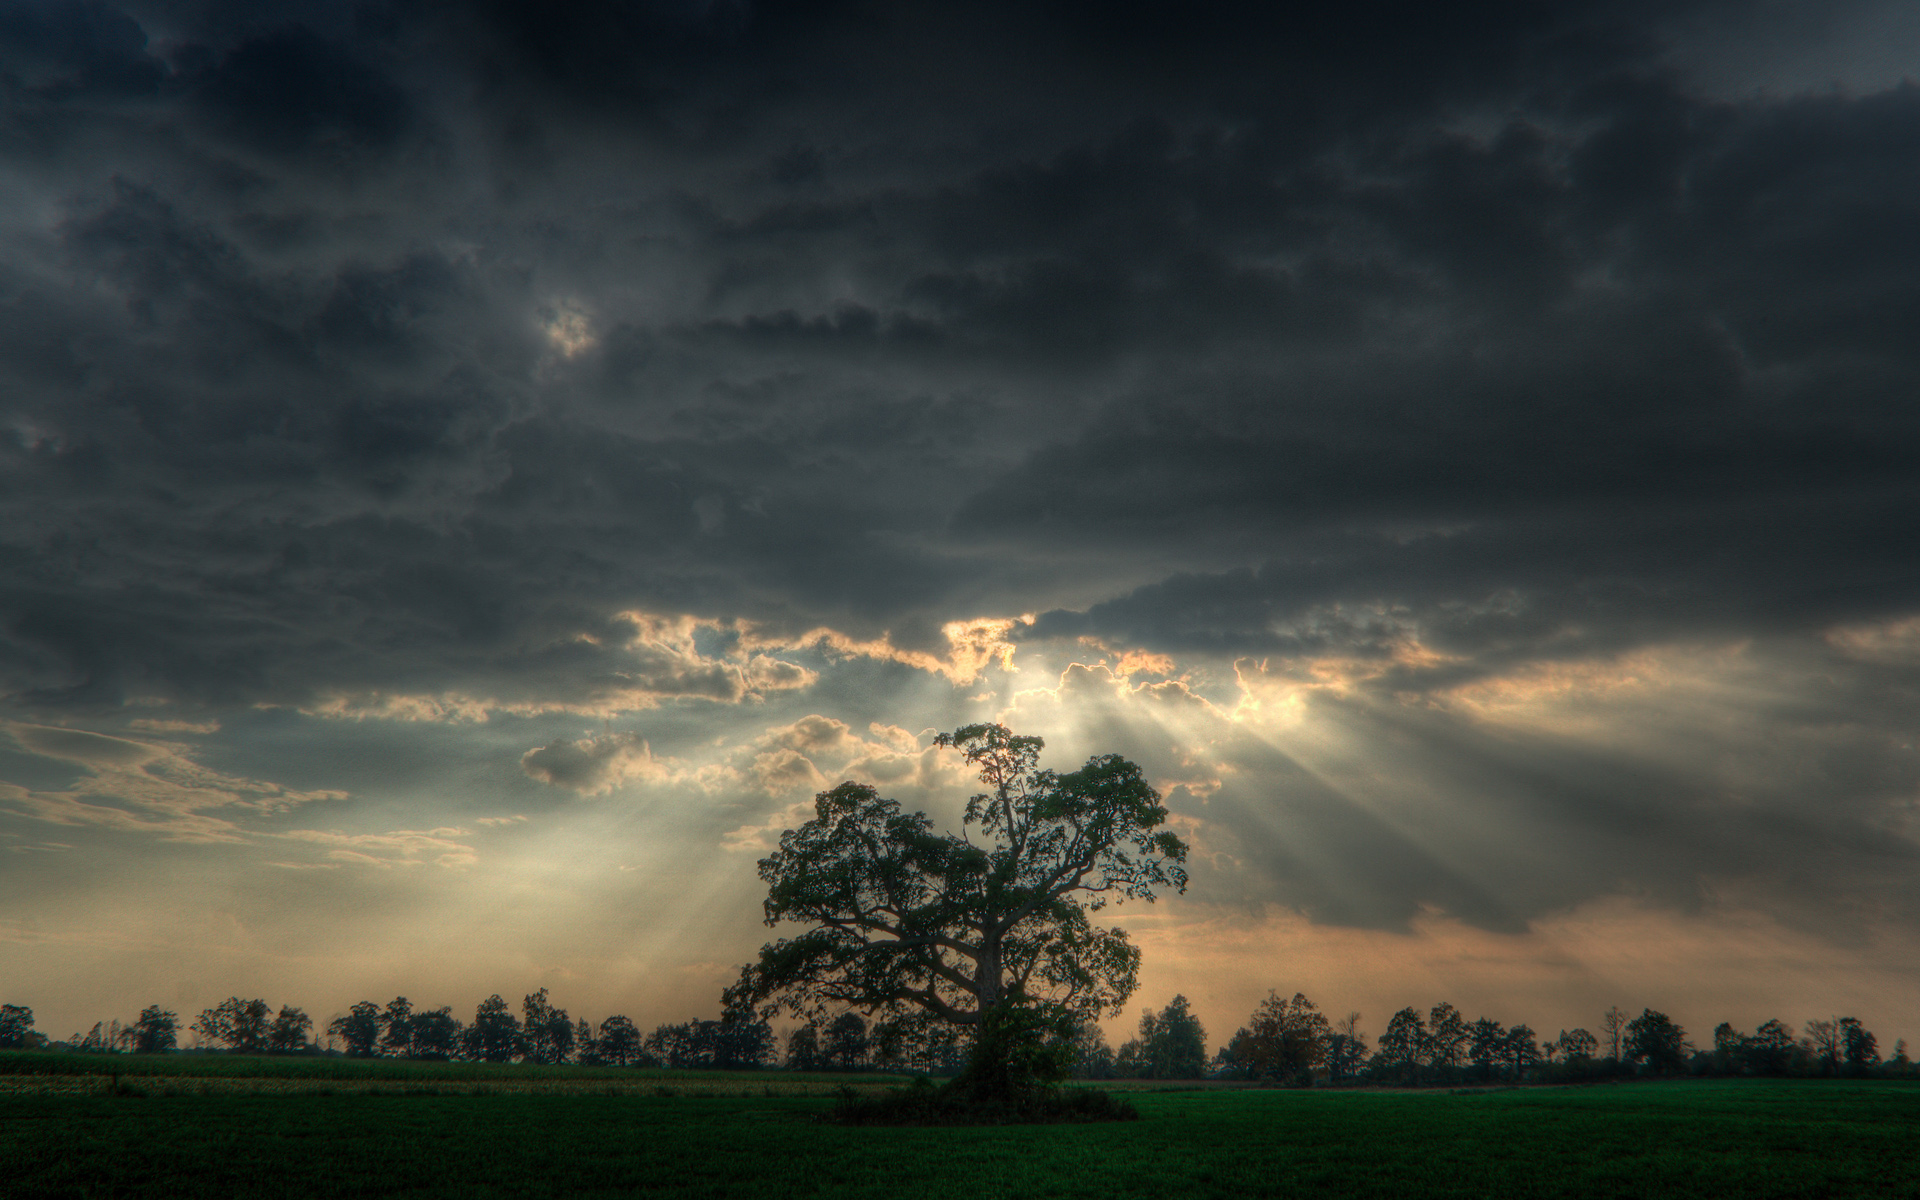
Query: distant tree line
(540, 1034)
(1285, 1041)
(1290, 1042)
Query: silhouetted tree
(1446, 1037)
(435, 1034)
(1484, 1041)
(1577, 1045)
(619, 1043)
(586, 1047)
(1346, 1048)
(241, 1025)
(1612, 1023)
(1653, 1039)
(289, 1032)
(1284, 1039)
(157, 1030)
(1403, 1046)
(1519, 1051)
(1172, 1044)
(1770, 1050)
(919, 1041)
(396, 1028)
(721, 1045)
(106, 1037)
(546, 1030)
(741, 1043)
(1861, 1049)
(1729, 1049)
(359, 1030)
(16, 1027)
(1823, 1044)
(897, 916)
(679, 1045)
(803, 1050)
(846, 1042)
(494, 1035)
(1088, 1055)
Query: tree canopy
(897, 917)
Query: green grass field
(25, 1073)
(1727, 1138)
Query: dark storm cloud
(361, 355)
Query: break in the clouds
(484, 467)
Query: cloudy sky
(470, 473)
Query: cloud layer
(1467, 450)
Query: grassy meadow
(473, 1131)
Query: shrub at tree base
(1013, 1077)
(925, 1104)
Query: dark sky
(470, 472)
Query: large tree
(897, 917)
